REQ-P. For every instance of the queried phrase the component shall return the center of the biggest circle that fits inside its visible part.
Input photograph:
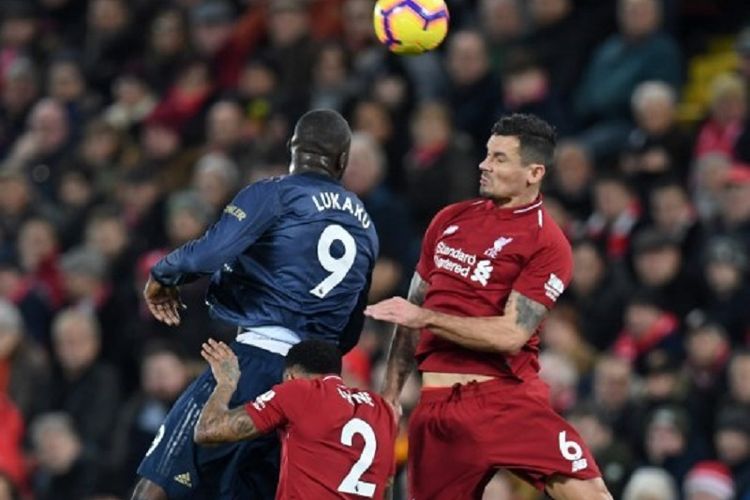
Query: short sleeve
(547, 273)
(277, 407)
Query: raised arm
(217, 423)
(403, 344)
(505, 334)
(243, 221)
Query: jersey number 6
(351, 483)
(337, 266)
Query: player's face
(504, 175)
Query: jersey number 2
(337, 266)
(351, 483)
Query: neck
(516, 201)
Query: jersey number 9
(337, 266)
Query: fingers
(220, 349)
(167, 312)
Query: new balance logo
(497, 247)
(580, 465)
(184, 479)
(482, 272)
(554, 287)
(450, 230)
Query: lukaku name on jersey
(334, 201)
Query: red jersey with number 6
(473, 255)
(337, 442)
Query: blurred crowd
(127, 125)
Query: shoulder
(454, 210)
(552, 234)
(265, 187)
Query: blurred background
(127, 125)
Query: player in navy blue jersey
(290, 259)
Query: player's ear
(343, 162)
(288, 375)
(535, 173)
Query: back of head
(314, 357)
(536, 137)
(321, 140)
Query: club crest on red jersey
(497, 247)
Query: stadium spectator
(650, 483)
(164, 374)
(225, 129)
(648, 327)
(45, 146)
(707, 354)
(562, 335)
(659, 267)
(732, 443)
(473, 90)
(674, 216)
(656, 147)
(669, 444)
(612, 454)
(708, 480)
(571, 179)
(616, 214)
(727, 113)
(638, 52)
(18, 92)
(438, 155)
(80, 378)
(66, 470)
(216, 180)
(503, 23)
(735, 205)
(707, 184)
(598, 293)
(727, 288)
(612, 396)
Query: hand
(163, 302)
(399, 311)
(224, 364)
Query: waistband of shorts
(467, 391)
(274, 339)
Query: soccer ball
(411, 26)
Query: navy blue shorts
(243, 470)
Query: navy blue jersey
(295, 251)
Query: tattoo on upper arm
(417, 290)
(529, 313)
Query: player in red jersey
(489, 271)
(337, 442)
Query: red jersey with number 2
(473, 255)
(337, 442)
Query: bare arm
(403, 345)
(217, 423)
(506, 334)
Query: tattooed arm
(217, 423)
(403, 344)
(506, 334)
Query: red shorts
(459, 436)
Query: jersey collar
(515, 212)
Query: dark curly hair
(315, 357)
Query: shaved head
(321, 141)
